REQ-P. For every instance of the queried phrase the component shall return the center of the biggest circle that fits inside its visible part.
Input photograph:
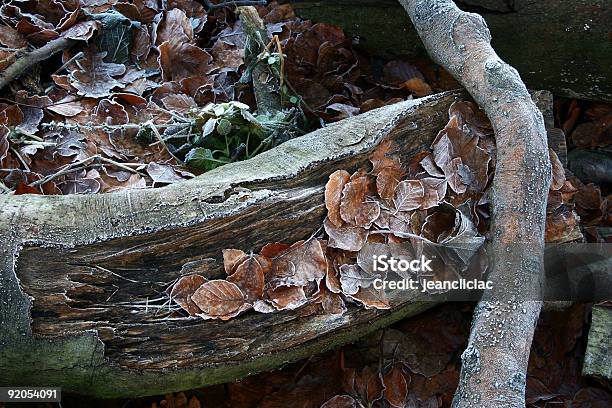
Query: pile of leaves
(141, 97)
(438, 197)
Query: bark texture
(494, 364)
(78, 274)
(598, 354)
(565, 45)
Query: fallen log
(79, 274)
(564, 45)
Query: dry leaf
(182, 291)
(232, 258)
(304, 262)
(333, 194)
(409, 195)
(395, 387)
(347, 237)
(249, 277)
(357, 206)
(219, 299)
(558, 172)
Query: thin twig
(77, 56)
(23, 162)
(161, 140)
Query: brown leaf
(182, 291)
(435, 190)
(175, 27)
(454, 143)
(232, 258)
(227, 57)
(287, 297)
(418, 87)
(562, 225)
(94, 77)
(409, 195)
(357, 206)
(347, 237)
(82, 31)
(558, 173)
(163, 173)
(340, 401)
(331, 302)
(304, 262)
(10, 38)
(371, 298)
(395, 387)
(388, 179)
(179, 103)
(273, 249)
(183, 60)
(369, 385)
(219, 299)
(333, 194)
(249, 277)
(352, 278)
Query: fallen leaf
(346, 237)
(304, 262)
(94, 77)
(333, 194)
(183, 289)
(357, 207)
(182, 60)
(558, 172)
(249, 277)
(409, 195)
(219, 299)
(395, 387)
(352, 278)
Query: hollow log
(77, 272)
(565, 46)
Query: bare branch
(495, 361)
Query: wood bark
(494, 364)
(564, 47)
(599, 348)
(76, 272)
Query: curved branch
(495, 361)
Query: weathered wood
(598, 355)
(564, 46)
(73, 268)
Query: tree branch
(495, 361)
(28, 60)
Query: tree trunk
(564, 46)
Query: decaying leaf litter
(150, 94)
(110, 118)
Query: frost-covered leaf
(94, 77)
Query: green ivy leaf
(201, 158)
